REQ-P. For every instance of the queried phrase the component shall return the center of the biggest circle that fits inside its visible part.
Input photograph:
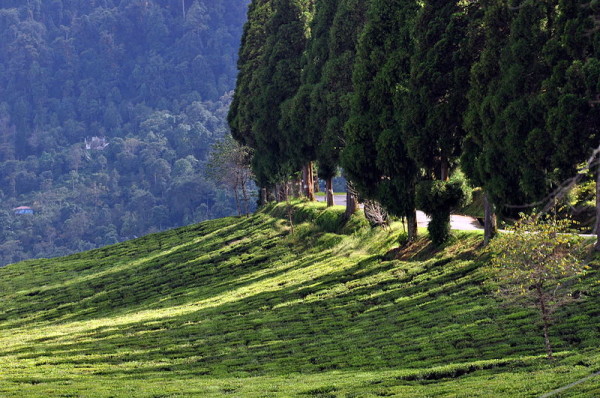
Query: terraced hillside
(242, 307)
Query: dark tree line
(108, 111)
(407, 96)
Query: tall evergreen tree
(375, 156)
(337, 87)
(304, 115)
(244, 107)
(503, 149)
(570, 93)
(436, 100)
(521, 131)
(279, 81)
(270, 68)
(479, 117)
(251, 54)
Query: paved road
(457, 222)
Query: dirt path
(457, 222)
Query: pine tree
(244, 107)
(375, 156)
(504, 117)
(570, 93)
(521, 134)
(479, 117)
(337, 89)
(270, 68)
(436, 98)
(304, 115)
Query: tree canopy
(504, 90)
(108, 111)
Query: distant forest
(108, 111)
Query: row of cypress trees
(402, 94)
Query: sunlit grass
(241, 307)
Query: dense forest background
(108, 111)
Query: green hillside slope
(240, 307)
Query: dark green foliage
(520, 120)
(478, 160)
(148, 78)
(438, 198)
(439, 79)
(375, 157)
(530, 119)
(243, 106)
(435, 99)
(570, 92)
(502, 107)
(305, 115)
(280, 80)
(336, 88)
(270, 69)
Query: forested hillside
(108, 110)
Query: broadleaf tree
(536, 265)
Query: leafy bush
(536, 264)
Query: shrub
(536, 264)
(438, 199)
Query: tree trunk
(444, 169)
(277, 193)
(411, 220)
(329, 192)
(298, 191)
(351, 200)
(281, 192)
(489, 223)
(264, 196)
(597, 225)
(545, 320)
(309, 181)
(236, 196)
(304, 187)
(245, 197)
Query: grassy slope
(241, 307)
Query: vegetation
(536, 265)
(229, 166)
(504, 89)
(375, 157)
(239, 306)
(439, 198)
(107, 114)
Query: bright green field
(240, 307)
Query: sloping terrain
(243, 307)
